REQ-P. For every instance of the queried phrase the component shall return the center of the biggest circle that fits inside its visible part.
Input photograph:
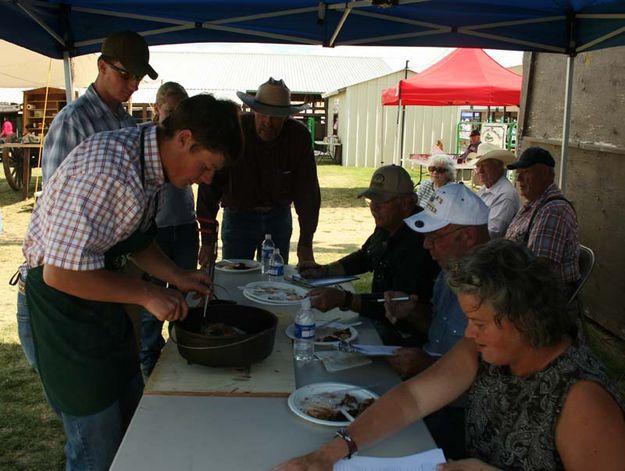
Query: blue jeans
(93, 440)
(243, 232)
(181, 245)
(23, 330)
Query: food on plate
(333, 334)
(277, 294)
(235, 266)
(219, 329)
(328, 406)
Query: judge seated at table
(538, 399)
(394, 254)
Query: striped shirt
(75, 123)
(426, 191)
(94, 200)
(553, 233)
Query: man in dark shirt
(394, 253)
(472, 147)
(277, 168)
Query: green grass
(31, 436)
(341, 185)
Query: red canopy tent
(464, 77)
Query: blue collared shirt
(448, 319)
(75, 123)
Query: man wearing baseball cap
(547, 222)
(122, 65)
(472, 147)
(497, 192)
(277, 169)
(454, 223)
(394, 254)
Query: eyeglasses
(123, 73)
(437, 169)
(433, 237)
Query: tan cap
(388, 182)
(131, 50)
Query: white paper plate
(299, 399)
(273, 293)
(228, 266)
(324, 331)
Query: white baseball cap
(453, 203)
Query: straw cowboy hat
(273, 98)
(488, 151)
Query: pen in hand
(399, 298)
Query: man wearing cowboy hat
(497, 192)
(277, 169)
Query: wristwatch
(352, 448)
(347, 301)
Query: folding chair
(586, 264)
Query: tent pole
(566, 123)
(403, 121)
(69, 79)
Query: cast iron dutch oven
(256, 344)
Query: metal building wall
(596, 161)
(370, 132)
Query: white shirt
(503, 203)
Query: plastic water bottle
(276, 266)
(304, 331)
(266, 251)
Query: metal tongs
(212, 231)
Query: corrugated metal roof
(225, 73)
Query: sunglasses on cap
(437, 169)
(123, 73)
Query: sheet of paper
(425, 461)
(318, 282)
(337, 361)
(375, 350)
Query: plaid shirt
(75, 123)
(94, 200)
(553, 233)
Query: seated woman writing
(537, 398)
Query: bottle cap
(267, 236)
(306, 303)
(276, 251)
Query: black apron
(86, 351)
